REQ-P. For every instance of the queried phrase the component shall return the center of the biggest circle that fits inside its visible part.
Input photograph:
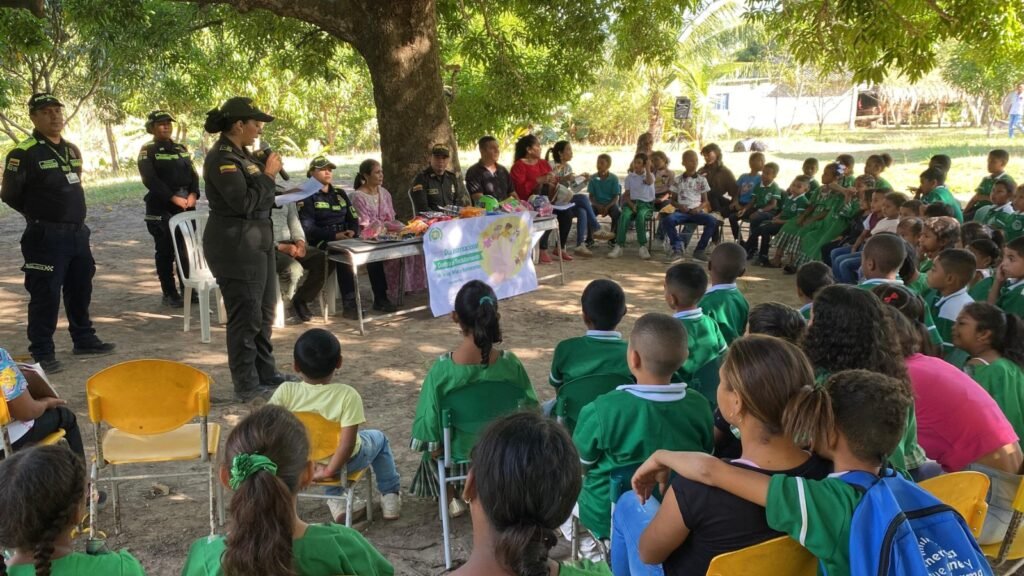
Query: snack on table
(488, 203)
(471, 212)
(512, 205)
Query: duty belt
(57, 225)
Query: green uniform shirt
(599, 352)
(817, 514)
(793, 206)
(982, 287)
(882, 184)
(584, 568)
(945, 310)
(763, 195)
(704, 341)
(324, 550)
(805, 310)
(919, 285)
(943, 195)
(624, 427)
(1011, 223)
(925, 265)
(78, 564)
(1004, 381)
(813, 190)
(1011, 298)
(989, 182)
(726, 305)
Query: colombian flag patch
(228, 168)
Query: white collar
(689, 314)
(718, 287)
(1015, 285)
(604, 334)
(877, 281)
(806, 306)
(1005, 208)
(961, 293)
(794, 198)
(656, 392)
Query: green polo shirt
(726, 305)
(599, 352)
(882, 184)
(793, 206)
(989, 182)
(1011, 223)
(704, 343)
(1011, 298)
(624, 427)
(1004, 382)
(944, 311)
(982, 287)
(943, 195)
(805, 310)
(78, 564)
(763, 195)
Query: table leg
(359, 298)
(401, 282)
(561, 250)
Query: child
(776, 319)
(845, 260)
(763, 207)
(811, 278)
(844, 210)
(1008, 289)
(317, 358)
(793, 206)
(627, 425)
(685, 284)
(723, 302)
(663, 178)
(1011, 222)
(939, 233)
(602, 350)
(1001, 203)
(810, 169)
(586, 219)
(942, 162)
(910, 229)
(788, 241)
(604, 191)
(986, 252)
(638, 202)
(933, 190)
(949, 278)
(996, 166)
(995, 342)
(745, 186)
(911, 209)
(875, 165)
(42, 495)
(691, 189)
(474, 360)
(880, 263)
(266, 463)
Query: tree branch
(10, 125)
(336, 17)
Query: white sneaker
(337, 508)
(645, 254)
(391, 506)
(616, 252)
(457, 507)
(582, 250)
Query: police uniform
(42, 181)
(239, 246)
(431, 191)
(323, 215)
(167, 172)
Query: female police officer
(239, 242)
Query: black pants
(163, 240)
(719, 202)
(764, 232)
(347, 283)
(58, 261)
(51, 421)
(250, 305)
(290, 272)
(564, 218)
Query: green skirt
(426, 484)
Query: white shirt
(638, 189)
(689, 190)
(1016, 103)
(886, 225)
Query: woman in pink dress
(376, 216)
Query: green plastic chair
(705, 381)
(619, 482)
(465, 412)
(574, 395)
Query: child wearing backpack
(859, 515)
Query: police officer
(436, 185)
(329, 215)
(173, 187)
(42, 181)
(239, 242)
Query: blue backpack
(899, 529)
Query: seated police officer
(436, 186)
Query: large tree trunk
(655, 122)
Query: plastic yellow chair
(324, 437)
(6, 419)
(782, 555)
(964, 492)
(149, 407)
(1011, 549)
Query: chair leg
(204, 315)
(188, 307)
(349, 496)
(279, 313)
(369, 496)
(116, 493)
(213, 521)
(442, 503)
(574, 540)
(220, 502)
(94, 476)
(222, 312)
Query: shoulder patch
(144, 153)
(252, 169)
(26, 143)
(417, 187)
(225, 148)
(13, 164)
(228, 168)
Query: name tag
(48, 164)
(72, 178)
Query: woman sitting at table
(377, 216)
(532, 175)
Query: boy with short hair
(910, 209)
(810, 279)
(317, 357)
(604, 190)
(627, 425)
(950, 277)
(881, 261)
(810, 170)
(1001, 203)
(745, 186)
(723, 302)
(1011, 222)
(691, 190)
(764, 205)
(685, 284)
(933, 190)
(996, 166)
(794, 204)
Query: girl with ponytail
(42, 496)
(995, 341)
(474, 360)
(266, 463)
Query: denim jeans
(1015, 123)
(670, 223)
(628, 523)
(586, 219)
(843, 272)
(375, 451)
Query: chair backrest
(575, 394)
(5, 419)
(705, 381)
(146, 397)
(964, 492)
(191, 225)
(467, 410)
(412, 205)
(781, 555)
(324, 435)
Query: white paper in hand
(305, 190)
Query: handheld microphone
(262, 155)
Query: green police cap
(41, 100)
(157, 116)
(319, 163)
(242, 108)
(440, 150)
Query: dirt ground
(386, 367)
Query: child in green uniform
(810, 169)
(933, 190)
(522, 485)
(794, 204)
(884, 257)
(987, 253)
(856, 417)
(474, 360)
(995, 342)
(1002, 203)
(767, 199)
(874, 166)
(810, 279)
(625, 426)
(723, 301)
(996, 167)
(939, 233)
(266, 463)
(685, 284)
(949, 278)
(842, 213)
(602, 350)
(42, 495)
(1008, 289)
(1011, 222)
(787, 241)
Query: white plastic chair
(190, 225)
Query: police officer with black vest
(42, 180)
(239, 242)
(436, 186)
(173, 187)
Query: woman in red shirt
(532, 175)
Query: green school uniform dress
(599, 352)
(945, 310)
(324, 550)
(764, 195)
(929, 321)
(843, 212)
(919, 285)
(1011, 298)
(924, 266)
(943, 195)
(705, 342)
(1004, 382)
(882, 184)
(982, 287)
(624, 427)
(725, 304)
(813, 190)
(78, 564)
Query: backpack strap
(862, 481)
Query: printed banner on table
(494, 249)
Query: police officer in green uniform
(173, 187)
(329, 215)
(436, 185)
(239, 242)
(42, 181)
